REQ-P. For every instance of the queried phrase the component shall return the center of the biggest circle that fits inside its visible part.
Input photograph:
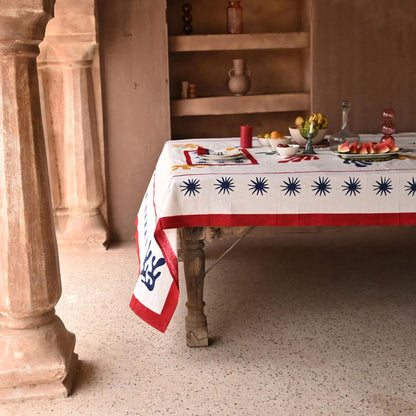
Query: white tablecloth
(264, 189)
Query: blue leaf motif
(149, 269)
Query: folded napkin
(201, 151)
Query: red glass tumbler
(246, 136)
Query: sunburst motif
(224, 185)
(322, 186)
(190, 187)
(291, 186)
(352, 187)
(383, 186)
(259, 186)
(410, 187)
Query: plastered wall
(134, 64)
(363, 51)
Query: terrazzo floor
(314, 323)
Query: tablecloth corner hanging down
(156, 293)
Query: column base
(37, 362)
(78, 229)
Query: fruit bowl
(288, 151)
(264, 141)
(275, 142)
(299, 139)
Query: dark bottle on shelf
(234, 17)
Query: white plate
(223, 157)
(370, 156)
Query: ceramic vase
(239, 78)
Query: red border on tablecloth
(161, 321)
(290, 220)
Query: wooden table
(190, 192)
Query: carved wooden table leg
(194, 267)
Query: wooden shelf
(247, 104)
(192, 43)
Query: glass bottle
(388, 128)
(234, 17)
(344, 134)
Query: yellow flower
(185, 167)
(186, 146)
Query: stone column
(36, 350)
(70, 95)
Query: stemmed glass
(308, 146)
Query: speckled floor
(320, 323)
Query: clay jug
(239, 78)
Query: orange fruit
(275, 135)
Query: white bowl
(291, 150)
(274, 142)
(264, 141)
(299, 139)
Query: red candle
(246, 136)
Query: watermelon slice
(344, 147)
(381, 148)
(353, 147)
(370, 148)
(362, 149)
(391, 144)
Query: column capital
(71, 37)
(23, 21)
(66, 51)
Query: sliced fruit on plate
(381, 148)
(353, 147)
(391, 144)
(344, 147)
(362, 149)
(370, 148)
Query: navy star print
(191, 187)
(259, 186)
(383, 186)
(224, 185)
(352, 187)
(291, 186)
(410, 188)
(322, 186)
